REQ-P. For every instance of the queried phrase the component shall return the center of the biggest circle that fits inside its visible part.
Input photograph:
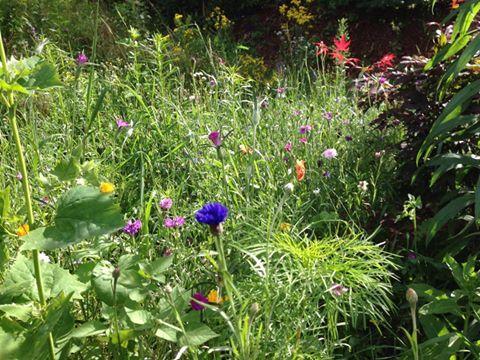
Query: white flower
(288, 188)
(363, 185)
(316, 191)
(44, 257)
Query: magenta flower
(338, 290)
(122, 123)
(305, 129)
(303, 140)
(166, 203)
(19, 176)
(297, 112)
(175, 222)
(328, 115)
(382, 80)
(132, 227)
(82, 59)
(288, 147)
(215, 138)
(329, 154)
(200, 298)
(281, 90)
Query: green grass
(288, 274)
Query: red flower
(385, 62)
(456, 3)
(342, 45)
(322, 49)
(342, 59)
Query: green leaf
(455, 108)
(447, 162)
(140, 317)
(447, 213)
(466, 14)
(18, 311)
(440, 306)
(443, 130)
(167, 333)
(12, 87)
(196, 336)
(83, 212)
(43, 76)
(20, 281)
(4, 203)
(158, 267)
(448, 51)
(459, 64)
(128, 281)
(67, 170)
(91, 328)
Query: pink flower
(215, 138)
(166, 203)
(122, 123)
(329, 154)
(174, 222)
(303, 140)
(19, 176)
(338, 290)
(82, 59)
(288, 147)
(379, 154)
(305, 129)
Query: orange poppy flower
(300, 169)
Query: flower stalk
(9, 101)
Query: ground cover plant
(180, 199)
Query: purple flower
(200, 298)
(348, 138)
(215, 138)
(281, 90)
(328, 115)
(213, 82)
(166, 203)
(303, 140)
(297, 112)
(19, 176)
(288, 147)
(212, 214)
(327, 174)
(382, 80)
(338, 290)
(132, 227)
(175, 222)
(82, 59)
(411, 255)
(329, 154)
(305, 129)
(122, 123)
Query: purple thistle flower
(348, 138)
(215, 138)
(338, 290)
(82, 59)
(132, 227)
(288, 147)
(305, 129)
(166, 203)
(303, 140)
(328, 115)
(200, 298)
(175, 222)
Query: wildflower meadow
(239, 181)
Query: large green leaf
(444, 130)
(454, 108)
(447, 162)
(466, 14)
(196, 335)
(20, 281)
(448, 212)
(67, 170)
(43, 76)
(83, 212)
(440, 306)
(448, 51)
(459, 64)
(91, 328)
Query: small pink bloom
(305, 129)
(379, 154)
(215, 138)
(303, 140)
(288, 147)
(19, 176)
(338, 290)
(166, 203)
(329, 154)
(82, 59)
(122, 123)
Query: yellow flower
(285, 227)
(245, 149)
(23, 230)
(107, 188)
(214, 298)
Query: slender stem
(12, 116)
(413, 310)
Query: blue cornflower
(213, 214)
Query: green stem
(414, 335)
(26, 188)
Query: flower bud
(288, 188)
(116, 273)
(412, 297)
(254, 309)
(168, 289)
(216, 229)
